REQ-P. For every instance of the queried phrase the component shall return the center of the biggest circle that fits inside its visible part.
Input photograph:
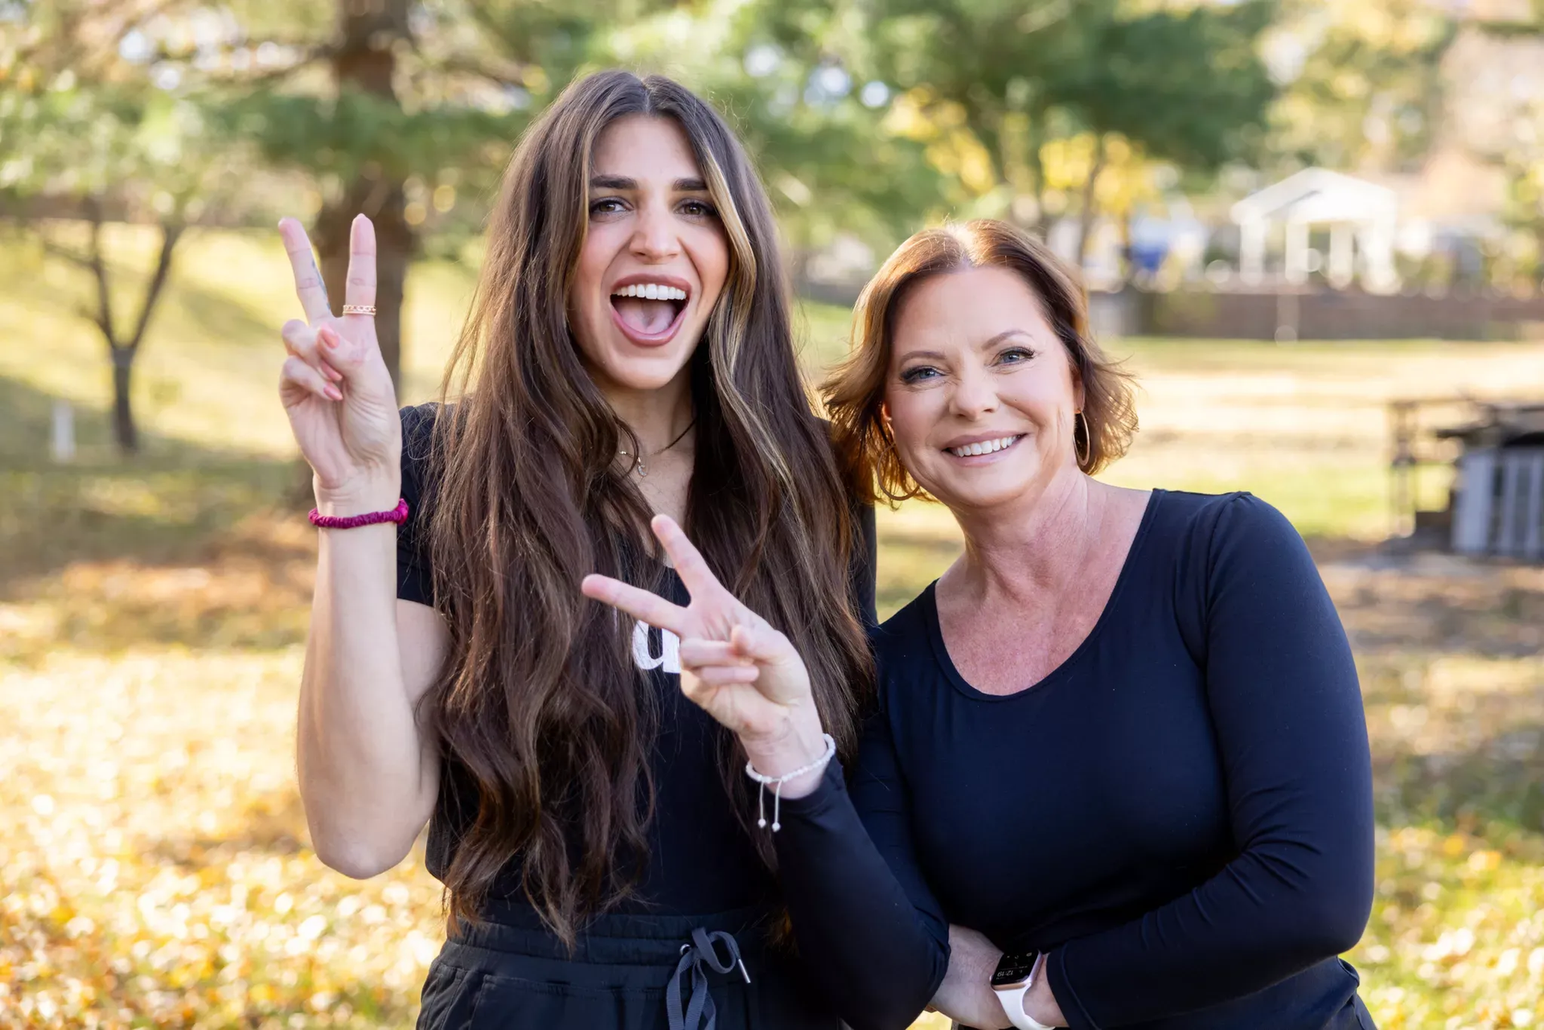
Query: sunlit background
(1314, 226)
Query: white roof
(1319, 195)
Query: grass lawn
(154, 866)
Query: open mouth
(982, 447)
(649, 311)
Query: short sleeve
(415, 579)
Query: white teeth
(651, 291)
(984, 447)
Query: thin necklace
(638, 461)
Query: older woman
(1120, 740)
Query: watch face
(1014, 968)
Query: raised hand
(335, 385)
(734, 665)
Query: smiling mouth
(981, 447)
(648, 310)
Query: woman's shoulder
(1211, 520)
(1221, 541)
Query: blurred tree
(82, 137)
(1520, 151)
(1361, 81)
(1181, 84)
(406, 100)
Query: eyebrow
(994, 341)
(621, 182)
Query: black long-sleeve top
(1180, 813)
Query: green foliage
(1187, 86)
(335, 137)
(1183, 85)
(1362, 81)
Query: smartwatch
(1016, 973)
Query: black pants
(628, 973)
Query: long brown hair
(540, 702)
(855, 391)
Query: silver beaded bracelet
(776, 783)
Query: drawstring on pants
(693, 955)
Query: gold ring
(359, 309)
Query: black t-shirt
(700, 859)
(1180, 813)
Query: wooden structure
(1496, 504)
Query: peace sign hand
(335, 385)
(734, 665)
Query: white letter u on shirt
(670, 650)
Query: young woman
(1121, 739)
(628, 352)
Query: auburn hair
(855, 391)
(540, 702)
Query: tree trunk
(1086, 216)
(1037, 170)
(365, 60)
(122, 352)
(125, 434)
(381, 201)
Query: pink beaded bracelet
(369, 518)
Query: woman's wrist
(799, 745)
(1040, 1003)
(359, 497)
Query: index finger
(640, 604)
(361, 263)
(308, 277)
(689, 563)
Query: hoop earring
(1088, 440)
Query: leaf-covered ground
(154, 869)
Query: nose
(654, 234)
(974, 395)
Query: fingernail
(332, 373)
(333, 392)
(329, 337)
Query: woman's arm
(367, 780)
(876, 952)
(966, 995)
(1292, 742)
(872, 936)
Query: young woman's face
(980, 393)
(654, 259)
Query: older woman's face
(980, 393)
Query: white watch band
(1012, 1000)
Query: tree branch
(1086, 221)
(104, 317)
(464, 65)
(75, 258)
(171, 232)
